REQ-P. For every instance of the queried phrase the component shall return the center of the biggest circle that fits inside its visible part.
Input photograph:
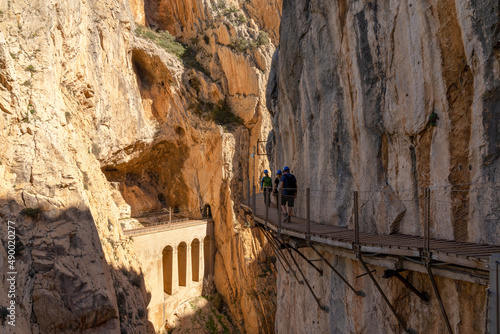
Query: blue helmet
(265, 171)
(278, 172)
(286, 168)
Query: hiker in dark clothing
(288, 185)
(266, 185)
(276, 186)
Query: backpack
(290, 184)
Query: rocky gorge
(113, 109)
(106, 115)
(387, 98)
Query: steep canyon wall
(98, 123)
(355, 87)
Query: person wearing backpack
(266, 185)
(276, 185)
(288, 186)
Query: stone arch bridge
(176, 258)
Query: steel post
(254, 200)
(428, 221)
(356, 222)
(308, 215)
(267, 206)
(279, 212)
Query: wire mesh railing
(460, 212)
(164, 216)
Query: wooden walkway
(470, 255)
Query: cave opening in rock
(162, 199)
(207, 211)
(144, 78)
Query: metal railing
(156, 218)
(461, 213)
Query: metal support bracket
(320, 271)
(388, 273)
(357, 292)
(441, 305)
(426, 257)
(357, 250)
(322, 307)
(278, 252)
(360, 258)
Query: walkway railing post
(427, 219)
(278, 205)
(356, 222)
(170, 215)
(267, 206)
(253, 199)
(308, 215)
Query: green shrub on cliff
(223, 115)
(163, 39)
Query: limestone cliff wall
(353, 89)
(354, 86)
(99, 123)
(63, 74)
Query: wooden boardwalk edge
(467, 255)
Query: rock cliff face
(355, 88)
(98, 122)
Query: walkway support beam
(360, 258)
(388, 273)
(278, 252)
(322, 307)
(441, 305)
(304, 257)
(357, 292)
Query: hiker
(266, 185)
(276, 186)
(288, 185)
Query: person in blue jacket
(288, 186)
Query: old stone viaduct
(176, 259)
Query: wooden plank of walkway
(459, 253)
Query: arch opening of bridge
(176, 260)
(168, 254)
(182, 263)
(195, 260)
(207, 259)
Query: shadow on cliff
(63, 274)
